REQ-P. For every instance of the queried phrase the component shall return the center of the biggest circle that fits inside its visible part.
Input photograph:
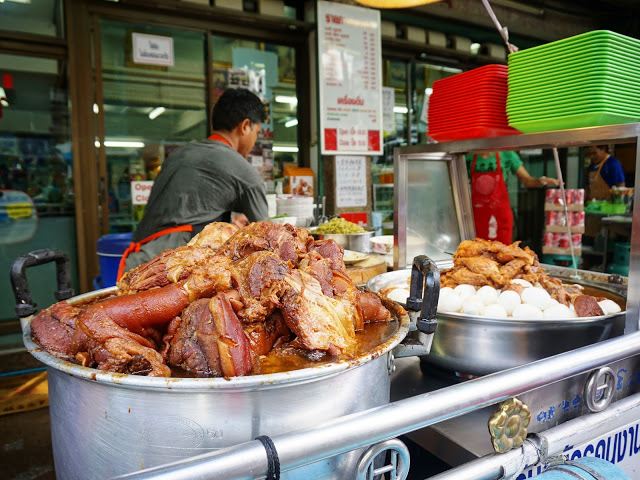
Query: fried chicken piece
(466, 276)
(486, 267)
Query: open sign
(140, 191)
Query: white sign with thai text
(351, 181)
(152, 49)
(388, 115)
(140, 191)
(350, 79)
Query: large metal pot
(468, 345)
(106, 424)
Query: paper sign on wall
(152, 49)
(140, 191)
(351, 181)
(388, 115)
(349, 79)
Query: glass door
(37, 201)
(154, 99)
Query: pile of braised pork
(217, 304)
(484, 263)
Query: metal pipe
(574, 432)
(372, 426)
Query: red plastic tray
(471, 133)
(484, 72)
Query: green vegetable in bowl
(339, 225)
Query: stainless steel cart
(605, 373)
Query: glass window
(149, 108)
(412, 106)
(36, 172)
(41, 17)
(269, 71)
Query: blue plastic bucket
(110, 250)
(581, 468)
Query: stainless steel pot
(107, 424)
(358, 242)
(471, 345)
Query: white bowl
(382, 244)
(283, 220)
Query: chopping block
(362, 271)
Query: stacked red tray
(470, 105)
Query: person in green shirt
(492, 213)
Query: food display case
(584, 401)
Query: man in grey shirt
(204, 181)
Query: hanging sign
(350, 79)
(351, 181)
(152, 49)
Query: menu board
(351, 181)
(350, 79)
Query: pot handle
(24, 303)
(424, 293)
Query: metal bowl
(474, 345)
(359, 242)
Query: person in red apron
(492, 213)
(204, 181)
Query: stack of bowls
(299, 207)
(271, 204)
(470, 105)
(587, 80)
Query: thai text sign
(350, 79)
(152, 49)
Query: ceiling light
(293, 101)
(96, 144)
(395, 3)
(156, 112)
(291, 123)
(285, 149)
(475, 48)
(96, 109)
(123, 144)
(24, 2)
(400, 109)
(428, 90)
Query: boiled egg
(473, 306)
(509, 300)
(464, 291)
(537, 297)
(558, 311)
(495, 310)
(449, 303)
(526, 311)
(487, 294)
(522, 282)
(609, 306)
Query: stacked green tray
(582, 81)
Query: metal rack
(379, 425)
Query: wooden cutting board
(366, 269)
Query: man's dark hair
(603, 147)
(233, 106)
